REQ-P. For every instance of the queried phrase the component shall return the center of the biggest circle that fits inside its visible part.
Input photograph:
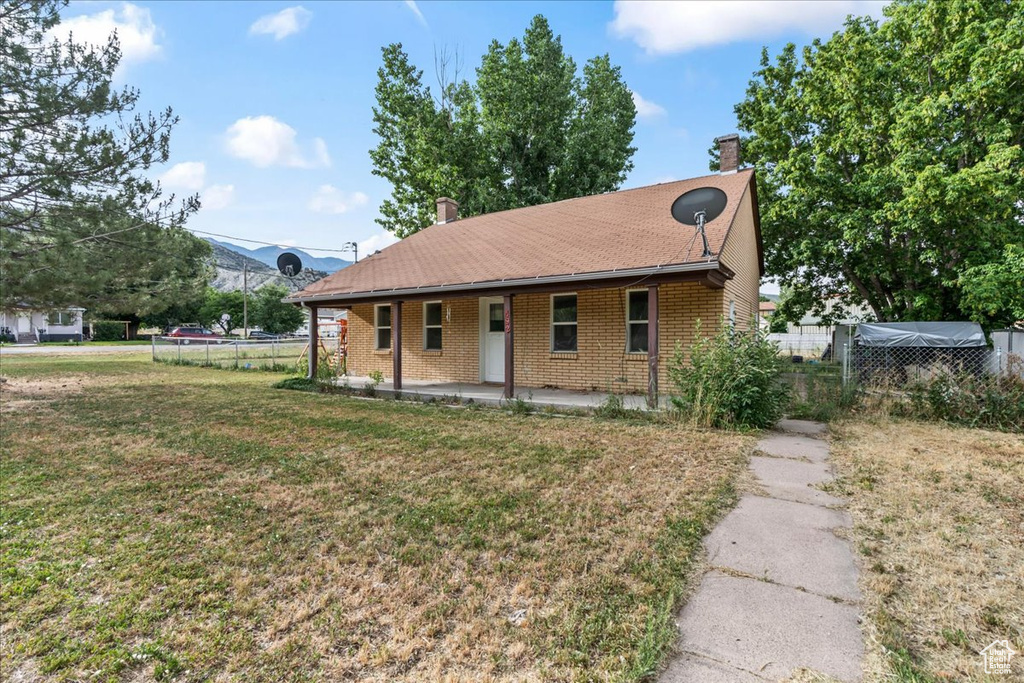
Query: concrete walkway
(781, 594)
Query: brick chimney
(728, 153)
(447, 210)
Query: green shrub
(324, 371)
(732, 380)
(970, 401)
(296, 384)
(107, 330)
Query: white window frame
(439, 326)
(377, 327)
(61, 316)
(629, 322)
(732, 312)
(552, 323)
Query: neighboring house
(29, 326)
(765, 311)
(590, 293)
(810, 337)
(329, 322)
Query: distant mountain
(268, 255)
(230, 266)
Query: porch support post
(396, 344)
(652, 346)
(510, 364)
(314, 342)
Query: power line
(269, 244)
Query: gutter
(505, 284)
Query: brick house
(579, 294)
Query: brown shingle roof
(622, 230)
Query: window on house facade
(61, 318)
(382, 326)
(496, 318)
(563, 322)
(432, 326)
(636, 321)
(732, 313)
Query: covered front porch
(494, 394)
(476, 347)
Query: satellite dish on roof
(699, 206)
(289, 264)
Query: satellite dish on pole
(289, 264)
(699, 206)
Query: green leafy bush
(107, 330)
(971, 401)
(731, 380)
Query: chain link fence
(284, 355)
(898, 366)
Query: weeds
(819, 394)
(520, 406)
(729, 380)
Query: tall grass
(732, 379)
(818, 393)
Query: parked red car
(185, 335)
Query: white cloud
(411, 4)
(217, 197)
(264, 141)
(320, 155)
(373, 243)
(646, 109)
(329, 199)
(282, 24)
(136, 32)
(670, 27)
(188, 175)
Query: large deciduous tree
(222, 309)
(890, 161)
(530, 130)
(80, 223)
(272, 315)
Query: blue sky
(275, 98)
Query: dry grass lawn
(939, 524)
(176, 523)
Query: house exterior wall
(740, 254)
(600, 363)
(457, 361)
(28, 323)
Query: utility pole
(245, 298)
(354, 247)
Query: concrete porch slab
(772, 630)
(491, 394)
(793, 480)
(794, 446)
(787, 543)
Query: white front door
(492, 339)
